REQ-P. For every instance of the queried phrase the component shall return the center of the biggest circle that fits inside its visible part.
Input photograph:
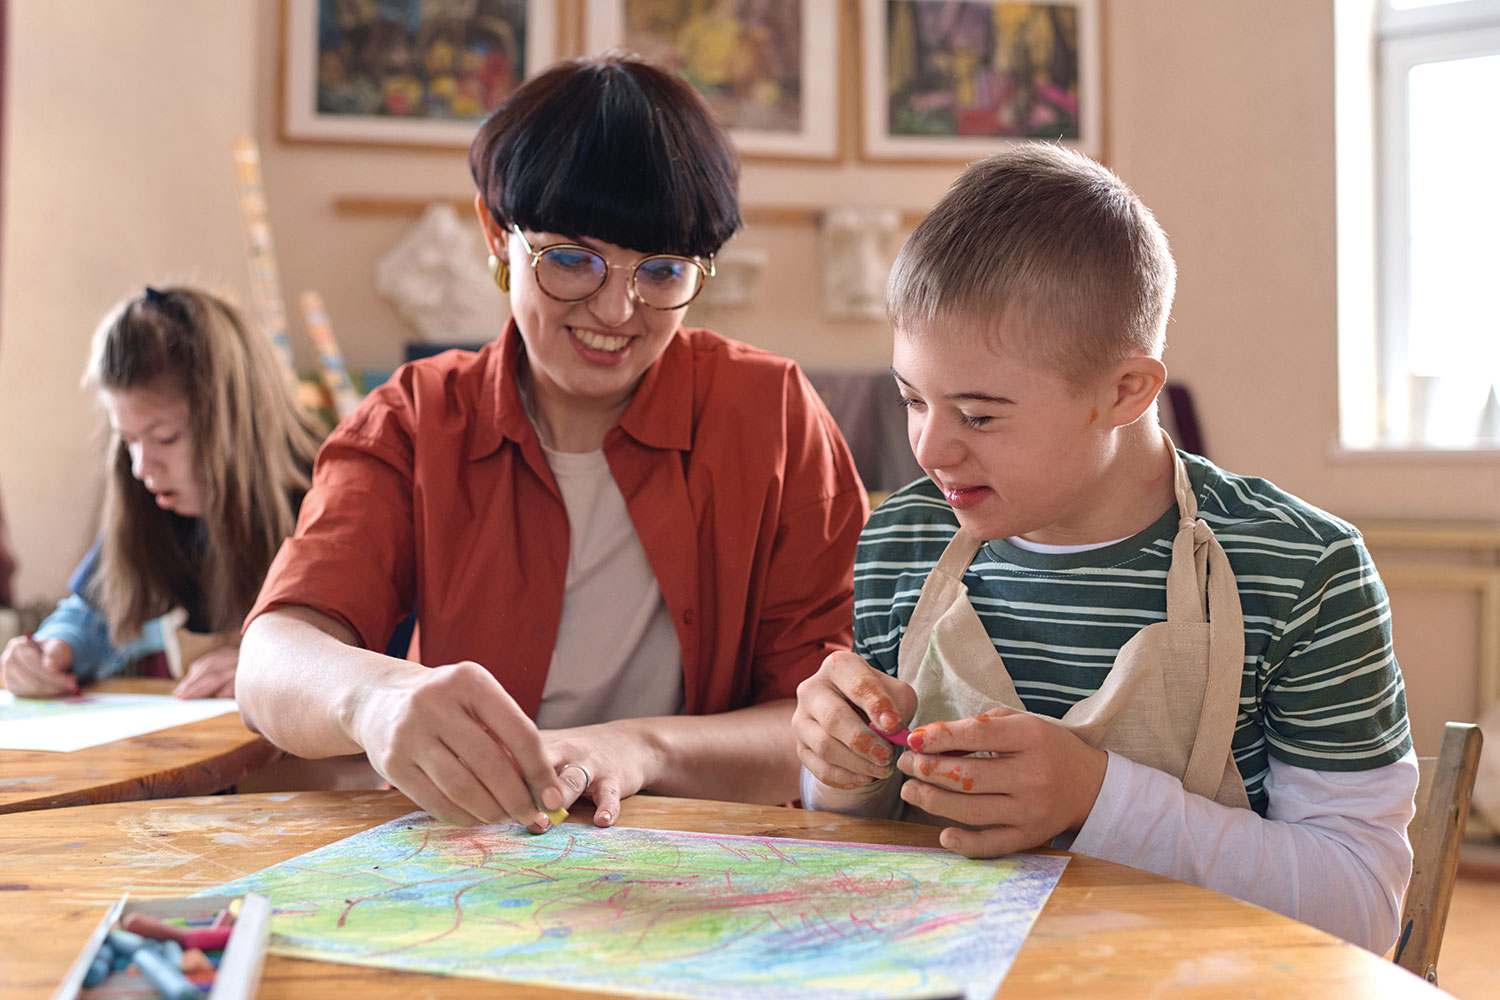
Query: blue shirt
(81, 624)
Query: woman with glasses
(627, 541)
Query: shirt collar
(660, 415)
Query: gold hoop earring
(500, 271)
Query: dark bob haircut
(615, 149)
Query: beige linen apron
(1171, 699)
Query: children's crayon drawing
(644, 911)
(87, 720)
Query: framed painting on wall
(768, 68)
(960, 79)
(406, 72)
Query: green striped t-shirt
(1321, 686)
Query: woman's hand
(211, 675)
(1042, 781)
(617, 757)
(458, 745)
(833, 740)
(33, 669)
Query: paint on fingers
(876, 705)
(860, 781)
(871, 748)
(928, 767)
(918, 737)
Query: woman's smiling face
(595, 351)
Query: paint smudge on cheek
(1093, 416)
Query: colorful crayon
(902, 738)
(166, 977)
(206, 938)
(148, 926)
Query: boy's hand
(33, 669)
(833, 741)
(1042, 782)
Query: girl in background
(209, 461)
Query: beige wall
(1220, 114)
(336, 254)
(118, 120)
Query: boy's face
(1015, 449)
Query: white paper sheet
(89, 720)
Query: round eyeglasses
(570, 272)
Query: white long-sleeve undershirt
(1331, 850)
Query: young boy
(1160, 663)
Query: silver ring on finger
(588, 779)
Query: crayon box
(236, 975)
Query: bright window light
(1454, 123)
(1438, 346)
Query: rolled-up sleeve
(809, 606)
(353, 554)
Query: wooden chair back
(1436, 831)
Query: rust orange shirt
(436, 494)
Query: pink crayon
(902, 738)
(207, 938)
(202, 938)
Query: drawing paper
(88, 720)
(666, 913)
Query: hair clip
(154, 297)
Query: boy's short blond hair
(1050, 245)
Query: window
(1438, 223)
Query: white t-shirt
(616, 655)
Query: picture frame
(778, 97)
(351, 73)
(975, 76)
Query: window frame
(1406, 38)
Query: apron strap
(943, 584)
(1201, 588)
(1226, 668)
(1185, 577)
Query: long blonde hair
(253, 450)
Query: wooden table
(1107, 931)
(194, 759)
